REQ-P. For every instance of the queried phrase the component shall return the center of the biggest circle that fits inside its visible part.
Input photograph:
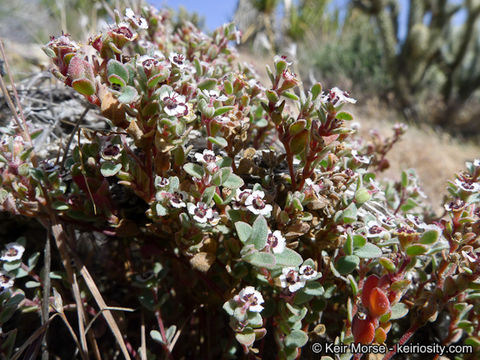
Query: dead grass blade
(105, 311)
(143, 346)
(80, 315)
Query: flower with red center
(307, 272)
(161, 182)
(467, 186)
(6, 281)
(374, 230)
(275, 242)
(337, 97)
(363, 159)
(208, 159)
(178, 60)
(214, 95)
(121, 34)
(13, 252)
(177, 199)
(174, 103)
(137, 21)
(202, 213)
(455, 205)
(257, 205)
(240, 197)
(250, 299)
(291, 278)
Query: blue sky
(218, 12)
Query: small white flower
(13, 252)
(140, 22)
(360, 158)
(276, 242)
(307, 272)
(456, 205)
(337, 97)
(178, 60)
(251, 299)
(201, 212)
(161, 182)
(311, 188)
(476, 162)
(240, 198)
(415, 220)
(374, 230)
(257, 205)
(214, 95)
(208, 156)
(174, 104)
(468, 187)
(6, 281)
(177, 200)
(291, 278)
(208, 159)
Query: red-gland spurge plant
(208, 189)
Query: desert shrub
(207, 191)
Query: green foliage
(208, 190)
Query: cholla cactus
(257, 197)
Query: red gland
(378, 303)
(363, 330)
(370, 283)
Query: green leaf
(207, 84)
(346, 264)
(12, 265)
(194, 170)
(129, 94)
(115, 67)
(368, 251)
(344, 116)
(60, 205)
(359, 241)
(416, 249)
(32, 260)
(233, 182)
(222, 110)
(218, 140)
(288, 257)
(259, 232)
(207, 195)
(404, 179)
(297, 338)
(227, 86)
(84, 86)
(161, 210)
(409, 205)
(362, 196)
(260, 259)
(314, 288)
(247, 337)
(114, 79)
(348, 246)
(243, 231)
(156, 336)
(109, 168)
(429, 237)
(399, 310)
(316, 90)
(350, 214)
(32, 284)
(290, 95)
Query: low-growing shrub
(226, 216)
